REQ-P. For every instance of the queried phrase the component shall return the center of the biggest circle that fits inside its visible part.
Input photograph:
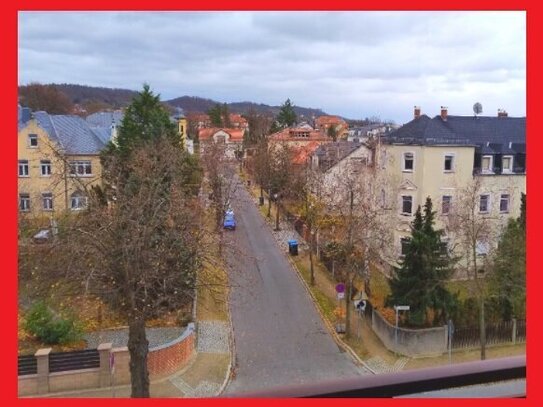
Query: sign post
(340, 290)
(112, 370)
(398, 308)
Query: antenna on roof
(477, 109)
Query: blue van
(229, 221)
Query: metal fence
(27, 365)
(75, 360)
(499, 333)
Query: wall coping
(188, 330)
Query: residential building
(58, 161)
(339, 126)
(232, 138)
(441, 156)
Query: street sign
(401, 307)
(340, 288)
(112, 362)
(340, 296)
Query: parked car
(229, 221)
(43, 236)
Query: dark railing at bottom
(407, 382)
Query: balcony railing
(408, 382)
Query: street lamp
(398, 308)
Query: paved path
(119, 337)
(279, 338)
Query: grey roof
(72, 133)
(491, 135)
(105, 119)
(23, 116)
(330, 154)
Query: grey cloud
(343, 62)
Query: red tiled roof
(327, 120)
(302, 154)
(236, 135)
(295, 134)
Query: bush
(50, 329)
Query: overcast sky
(354, 64)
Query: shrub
(50, 329)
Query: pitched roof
(298, 134)
(302, 154)
(105, 119)
(208, 133)
(72, 133)
(490, 134)
(324, 120)
(331, 153)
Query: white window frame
(402, 203)
(32, 137)
(489, 170)
(412, 159)
(80, 201)
(45, 165)
(508, 200)
(508, 170)
(452, 156)
(25, 166)
(443, 202)
(487, 203)
(24, 202)
(47, 201)
(77, 165)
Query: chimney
(417, 112)
(502, 113)
(444, 113)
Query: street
(279, 338)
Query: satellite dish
(477, 108)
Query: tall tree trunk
(138, 346)
(482, 328)
(269, 202)
(311, 267)
(277, 213)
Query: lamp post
(398, 308)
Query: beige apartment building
(58, 161)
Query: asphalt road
(280, 339)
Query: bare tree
(141, 252)
(357, 198)
(473, 233)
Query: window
(33, 140)
(78, 201)
(507, 164)
(448, 167)
(23, 168)
(45, 166)
(484, 203)
(81, 168)
(47, 201)
(408, 161)
(486, 164)
(446, 204)
(24, 202)
(482, 248)
(504, 203)
(407, 204)
(404, 245)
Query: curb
(232, 346)
(327, 323)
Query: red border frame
(9, 183)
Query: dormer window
(507, 164)
(486, 164)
